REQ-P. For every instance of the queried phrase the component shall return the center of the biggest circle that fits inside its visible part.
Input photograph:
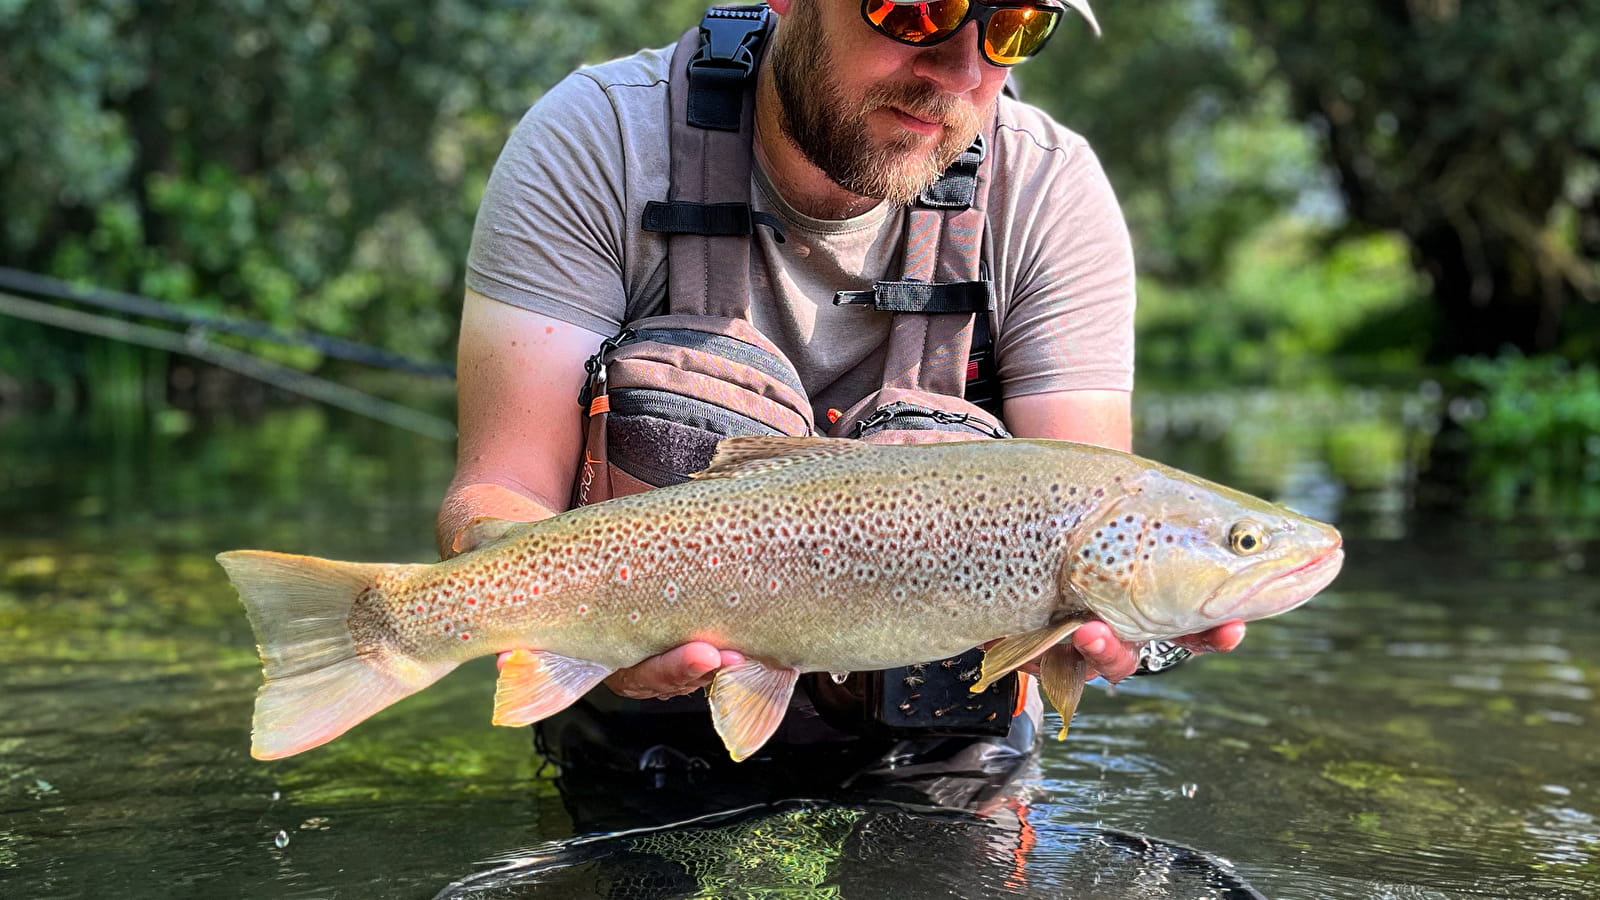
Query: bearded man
(859, 105)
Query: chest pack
(665, 390)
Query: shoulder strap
(944, 291)
(708, 216)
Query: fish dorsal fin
(739, 456)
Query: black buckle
(725, 62)
(957, 188)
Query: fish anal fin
(1018, 649)
(1062, 673)
(751, 454)
(535, 684)
(748, 702)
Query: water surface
(1426, 729)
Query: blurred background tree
(313, 163)
(1459, 139)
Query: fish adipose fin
(535, 684)
(318, 682)
(1062, 672)
(752, 454)
(1018, 649)
(748, 702)
(485, 530)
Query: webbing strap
(681, 217)
(922, 297)
(944, 254)
(708, 250)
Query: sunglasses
(1008, 32)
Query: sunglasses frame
(981, 13)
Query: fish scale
(803, 554)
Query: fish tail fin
(318, 682)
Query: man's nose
(954, 66)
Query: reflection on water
(1427, 728)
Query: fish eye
(1246, 537)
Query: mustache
(924, 102)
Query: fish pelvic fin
(1062, 673)
(748, 702)
(535, 684)
(318, 682)
(1016, 650)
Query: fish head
(1173, 554)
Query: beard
(833, 133)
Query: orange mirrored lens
(917, 22)
(1014, 34)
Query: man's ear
(781, 7)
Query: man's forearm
(465, 503)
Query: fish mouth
(1277, 592)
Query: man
(859, 105)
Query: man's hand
(1116, 659)
(681, 670)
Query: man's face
(880, 118)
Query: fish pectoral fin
(1018, 649)
(748, 702)
(750, 454)
(1062, 672)
(537, 683)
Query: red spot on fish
(465, 636)
(535, 590)
(421, 608)
(715, 559)
(583, 609)
(549, 329)
(624, 573)
(633, 616)
(472, 601)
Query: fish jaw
(1277, 593)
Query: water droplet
(1189, 732)
(275, 796)
(282, 840)
(1189, 789)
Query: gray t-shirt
(559, 232)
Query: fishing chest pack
(665, 390)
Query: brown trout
(804, 554)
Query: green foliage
(312, 163)
(1534, 433)
(1473, 128)
(1284, 300)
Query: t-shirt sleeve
(549, 231)
(1067, 272)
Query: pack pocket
(906, 416)
(665, 391)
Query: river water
(1427, 728)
